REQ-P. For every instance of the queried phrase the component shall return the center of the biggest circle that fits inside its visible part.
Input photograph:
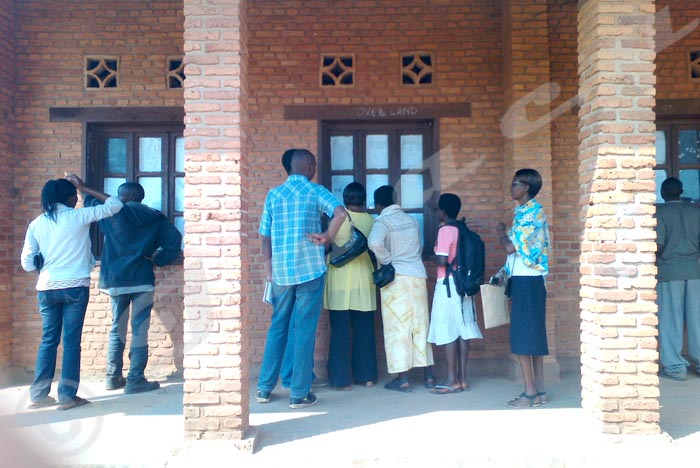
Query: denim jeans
(60, 310)
(141, 304)
(679, 302)
(288, 361)
(298, 306)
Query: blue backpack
(469, 264)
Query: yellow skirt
(406, 322)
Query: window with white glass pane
(152, 155)
(377, 154)
(678, 155)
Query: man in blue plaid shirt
(293, 254)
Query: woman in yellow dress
(351, 299)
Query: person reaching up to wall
(57, 244)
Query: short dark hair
(450, 204)
(384, 195)
(299, 158)
(532, 178)
(354, 194)
(287, 160)
(134, 189)
(672, 187)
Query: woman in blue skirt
(527, 245)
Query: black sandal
(399, 386)
(533, 401)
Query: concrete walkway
(358, 428)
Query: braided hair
(56, 191)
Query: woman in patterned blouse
(527, 245)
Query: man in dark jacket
(134, 242)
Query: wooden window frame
(97, 135)
(359, 129)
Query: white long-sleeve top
(395, 239)
(64, 244)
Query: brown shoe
(77, 401)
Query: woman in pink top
(453, 321)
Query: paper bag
(494, 303)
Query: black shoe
(115, 383)
(141, 386)
(298, 403)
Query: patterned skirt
(405, 318)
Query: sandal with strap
(445, 390)
(533, 401)
(544, 398)
(74, 403)
(43, 403)
(398, 386)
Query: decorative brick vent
(695, 64)
(101, 72)
(337, 69)
(417, 69)
(175, 74)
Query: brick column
(8, 252)
(526, 126)
(215, 361)
(618, 309)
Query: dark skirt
(528, 332)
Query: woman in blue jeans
(57, 244)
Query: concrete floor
(358, 428)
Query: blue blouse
(530, 236)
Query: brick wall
(618, 309)
(566, 229)
(216, 307)
(672, 69)
(526, 128)
(52, 38)
(7, 260)
(285, 42)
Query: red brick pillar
(8, 251)
(618, 309)
(526, 125)
(215, 362)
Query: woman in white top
(58, 244)
(395, 239)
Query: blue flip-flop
(445, 390)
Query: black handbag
(508, 291)
(353, 248)
(38, 261)
(384, 275)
